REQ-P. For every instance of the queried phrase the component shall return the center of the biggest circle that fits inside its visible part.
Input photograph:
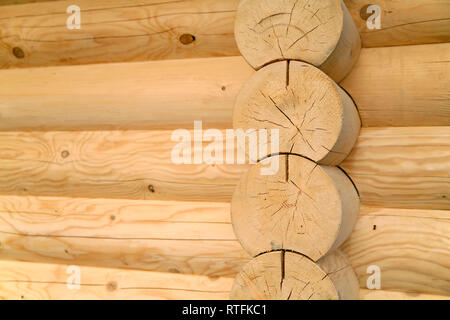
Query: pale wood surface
(347, 52)
(116, 31)
(321, 33)
(26, 280)
(402, 86)
(397, 86)
(304, 207)
(108, 164)
(410, 246)
(403, 22)
(365, 294)
(281, 275)
(9, 2)
(156, 94)
(268, 31)
(180, 237)
(411, 22)
(338, 268)
(416, 158)
(318, 120)
(138, 165)
(35, 281)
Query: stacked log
(28, 280)
(140, 30)
(86, 175)
(303, 209)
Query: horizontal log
(124, 30)
(400, 167)
(40, 281)
(403, 22)
(365, 294)
(9, 2)
(177, 237)
(409, 246)
(108, 164)
(116, 31)
(397, 86)
(26, 280)
(402, 86)
(161, 94)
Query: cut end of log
(314, 116)
(282, 275)
(304, 207)
(316, 32)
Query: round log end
(314, 116)
(303, 207)
(281, 275)
(272, 30)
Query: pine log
(131, 30)
(391, 167)
(281, 275)
(40, 281)
(122, 96)
(36, 34)
(315, 118)
(409, 246)
(402, 22)
(365, 294)
(177, 237)
(321, 33)
(396, 86)
(304, 207)
(26, 280)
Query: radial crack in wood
(281, 275)
(314, 116)
(304, 207)
(319, 32)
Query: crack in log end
(290, 17)
(287, 168)
(288, 62)
(283, 269)
(309, 117)
(303, 36)
(286, 275)
(299, 208)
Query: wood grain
(403, 22)
(402, 86)
(108, 164)
(365, 294)
(122, 30)
(36, 281)
(138, 165)
(304, 207)
(39, 281)
(396, 86)
(318, 120)
(177, 237)
(116, 31)
(286, 275)
(161, 94)
(410, 246)
(321, 33)
(402, 167)
(9, 2)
